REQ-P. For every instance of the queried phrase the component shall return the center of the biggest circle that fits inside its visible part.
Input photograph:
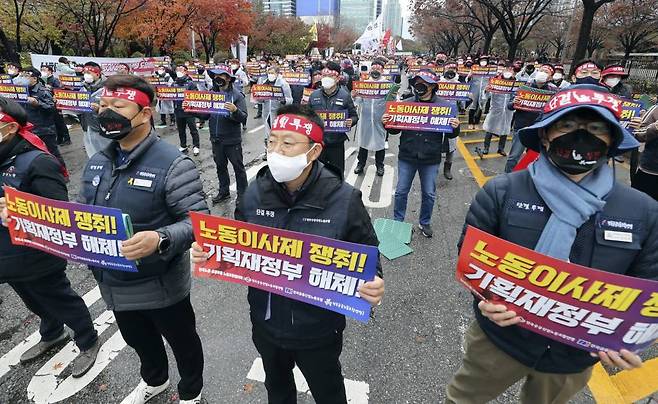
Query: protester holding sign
(186, 120)
(40, 108)
(226, 134)
(450, 144)
(297, 192)
(371, 132)
(558, 77)
(52, 83)
(93, 84)
(270, 106)
(156, 185)
(420, 151)
(165, 107)
(499, 119)
(569, 206)
(522, 118)
(334, 97)
(37, 277)
(478, 96)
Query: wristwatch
(164, 243)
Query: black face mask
(317, 85)
(115, 126)
(587, 80)
(421, 89)
(200, 70)
(449, 75)
(530, 69)
(219, 83)
(375, 74)
(578, 152)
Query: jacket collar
(314, 193)
(111, 150)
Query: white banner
(140, 66)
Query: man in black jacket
(40, 108)
(226, 133)
(420, 151)
(583, 207)
(334, 97)
(185, 119)
(541, 80)
(39, 278)
(52, 82)
(157, 186)
(306, 196)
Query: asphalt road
(406, 354)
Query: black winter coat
(495, 211)
(39, 175)
(325, 206)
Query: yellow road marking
(479, 176)
(475, 141)
(626, 386)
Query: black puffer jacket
(325, 206)
(37, 173)
(495, 211)
(42, 114)
(158, 187)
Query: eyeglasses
(594, 73)
(285, 145)
(570, 125)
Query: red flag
(386, 38)
(528, 157)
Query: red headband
(301, 125)
(571, 98)
(614, 70)
(24, 132)
(92, 69)
(329, 72)
(588, 66)
(549, 67)
(130, 94)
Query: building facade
(324, 11)
(286, 8)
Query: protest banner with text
(531, 99)
(372, 89)
(205, 102)
(85, 234)
(14, 92)
(267, 92)
(583, 307)
(334, 121)
(77, 101)
(421, 116)
(316, 270)
(454, 91)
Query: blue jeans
(406, 173)
(515, 153)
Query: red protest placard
(266, 92)
(531, 99)
(316, 270)
(503, 86)
(583, 307)
(372, 89)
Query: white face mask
(161, 72)
(271, 77)
(557, 76)
(328, 82)
(12, 72)
(483, 63)
(263, 65)
(507, 75)
(45, 73)
(89, 78)
(234, 67)
(541, 77)
(180, 74)
(612, 81)
(285, 168)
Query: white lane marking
(357, 392)
(13, 357)
(251, 173)
(107, 353)
(256, 129)
(45, 380)
(386, 192)
(349, 152)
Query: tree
(279, 35)
(97, 20)
(481, 18)
(221, 26)
(633, 23)
(517, 19)
(343, 38)
(590, 7)
(435, 24)
(147, 28)
(550, 33)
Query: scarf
(571, 203)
